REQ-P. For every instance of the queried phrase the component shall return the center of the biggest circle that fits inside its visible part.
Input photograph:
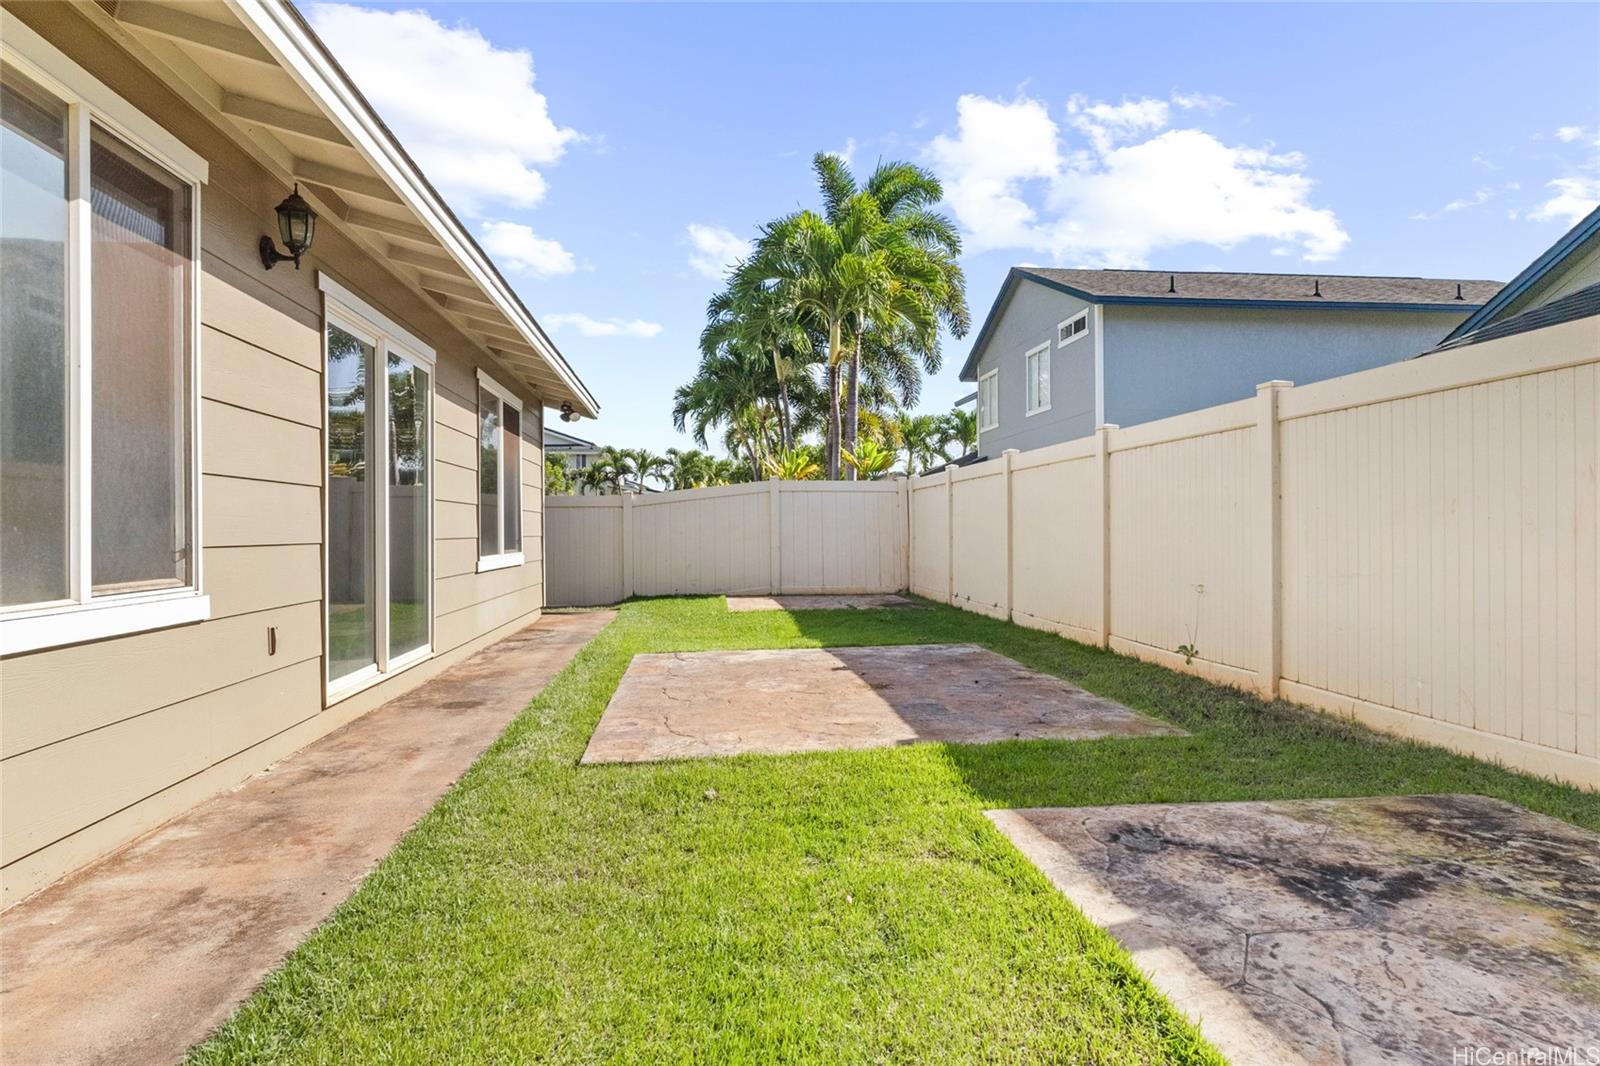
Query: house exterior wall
(1164, 361)
(1028, 320)
(101, 741)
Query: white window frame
(994, 405)
(86, 617)
(1065, 322)
(351, 313)
(1030, 397)
(504, 559)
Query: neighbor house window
(1072, 329)
(1038, 373)
(499, 475)
(99, 318)
(989, 400)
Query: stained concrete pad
(1383, 930)
(685, 705)
(816, 603)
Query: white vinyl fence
(770, 537)
(1413, 545)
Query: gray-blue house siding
(1150, 353)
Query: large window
(989, 400)
(1038, 373)
(499, 475)
(379, 403)
(99, 211)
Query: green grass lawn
(842, 907)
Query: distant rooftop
(1314, 289)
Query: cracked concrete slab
(1394, 929)
(688, 705)
(816, 603)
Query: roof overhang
(1535, 272)
(257, 70)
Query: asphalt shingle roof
(1334, 288)
(1580, 304)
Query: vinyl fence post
(950, 534)
(1007, 457)
(910, 552)
(1268, 510)
(627, 545)
(775, 534)
(1102, 435)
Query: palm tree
(646, 464)
(750, 316)
(920, 438)
(920, 284)
(959, 427)
(732, 391)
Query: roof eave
(300, 53)
(1531, 275)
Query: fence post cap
(1274, 384)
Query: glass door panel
(352, 625)
(408, 506)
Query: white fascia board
(303, 58)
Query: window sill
(79, 623)
(1037, 411)
(499, 562)
(352, 684)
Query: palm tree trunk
(785, 434)
(852, 414)
(833, 401)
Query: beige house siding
(102, 741)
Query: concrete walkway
(139, 956)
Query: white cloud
(519, 248)
(601, 327)
(715, 250)
(1568, 134)
(1199, 101)
(465, 110)
(1482, 196)
(848, 152)
(1574, 198)
(1136, 187)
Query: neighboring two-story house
(1063, 351)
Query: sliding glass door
(379, 509)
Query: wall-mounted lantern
(568, 414)
(297, 224)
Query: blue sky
(613, 157)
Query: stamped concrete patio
(688, 705)
(137, 957)
(866, 601)
(1390, 929)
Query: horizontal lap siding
(1440, 556)
(102, 741)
